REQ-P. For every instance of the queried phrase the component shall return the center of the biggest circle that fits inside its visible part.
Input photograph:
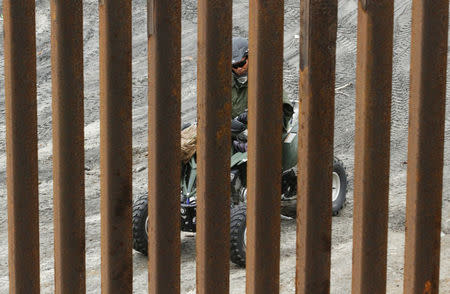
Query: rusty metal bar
(68, 146)
(265, 94)
(21, 145)
(318, 26)
(213, 149)
(115, 145)
(372, 144)
(426, 145)
(164, 98)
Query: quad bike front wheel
(140, 224)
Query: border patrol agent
(239, 93)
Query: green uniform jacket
(239, 100)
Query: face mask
(242, 79)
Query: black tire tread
(337, 161)
(292, 211)
(140, 213)
(237, 248)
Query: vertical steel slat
(372, 145)
(213, 149)
(68, 146)
(318, 26)
(265, 92)
(21, 145)
(426, 145)
(164, 98)
(115, 145)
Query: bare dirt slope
(344, 145)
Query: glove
(240, 146)
(237, 126)
(243, 117)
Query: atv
(238, 182)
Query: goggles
(239, 64)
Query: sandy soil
(344, 144)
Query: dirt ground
(344, 144)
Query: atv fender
(238, 158)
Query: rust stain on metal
(265, 86)
(372, 147)
(115, 146)
(220, 134)
(21, 145)
(214, 143)
(223, 113)
(427, 288)
(164, 98)
(426, 145)
(68, 146)
(318, 27)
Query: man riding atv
(238, 169)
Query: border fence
(318, 27)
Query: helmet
(240, 49)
